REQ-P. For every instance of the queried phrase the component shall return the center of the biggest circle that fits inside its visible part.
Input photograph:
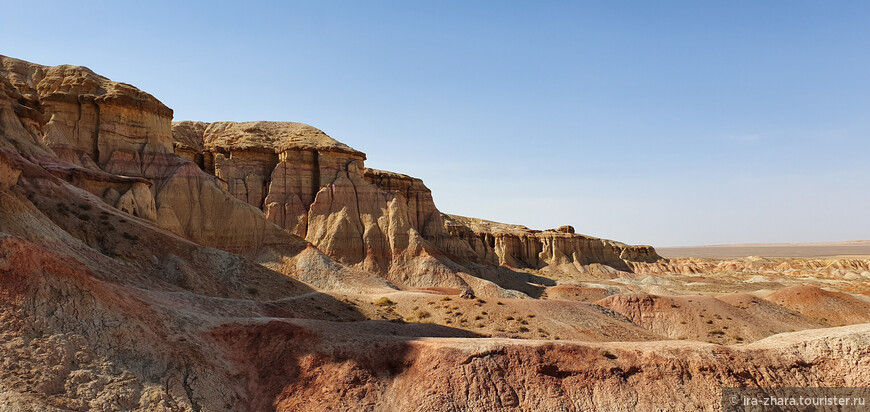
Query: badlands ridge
(152, 265)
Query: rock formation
(234, 186)
(559, 249)
(378, 221)
(146, 265)
(115, 141)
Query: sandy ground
(854, 248)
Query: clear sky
(666, 123)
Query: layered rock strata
(234, 186)
(101, 308)
(559, 249)
(318, 189)
(115, 141)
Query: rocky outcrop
(9, 172)
(87, 119)
(138, 201)
(422, 213)
(235, 186)
(477, 375)
(115, 141)
(319, 189)
(379, 221)
(560, 249)
(825, 268)
(102, 308)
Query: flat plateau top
(852, 248)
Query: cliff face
(319, 189)
(234, 186)
(555, 249)
(379, 221)
(115, 142)
(115, 293)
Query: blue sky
(666, 123)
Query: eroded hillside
(151, 265)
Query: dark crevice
(554, 371)
(189, 391)
(267, 180)
(208, 162)
(315, 178)
(96, 134)
(76, 124)
(362, 234)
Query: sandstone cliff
(120, 288)
(556, 249)
(378, 221)
(115, 141)
(318, 189)
(234, 186)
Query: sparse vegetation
(384, 301)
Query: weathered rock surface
(834, 308)
(9, 173)
(115, 141)
(476, 375)
(824, 268)
(374, 220)
(560, 249)
(708, 318)
(112, 297)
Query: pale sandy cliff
(148, 265)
